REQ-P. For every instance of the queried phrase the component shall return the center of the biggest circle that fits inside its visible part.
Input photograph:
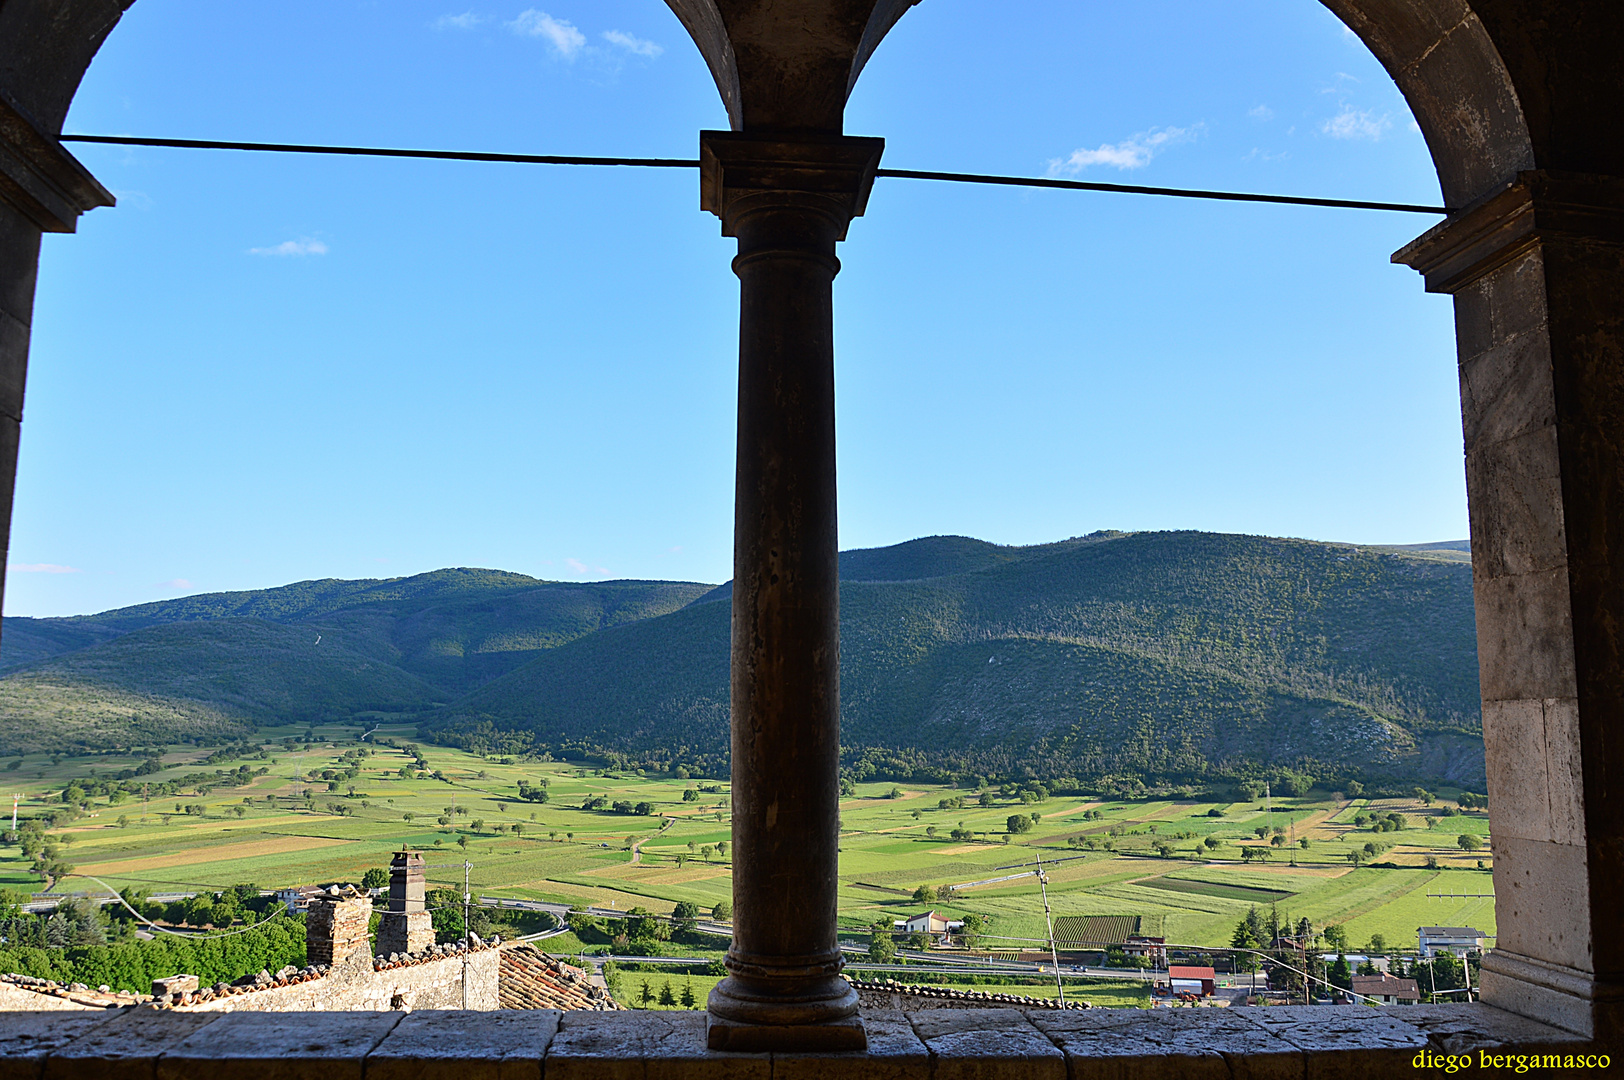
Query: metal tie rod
(690, 163)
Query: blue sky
(259, 369)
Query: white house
(937, 926)
(1459, 940)
(1386, 989)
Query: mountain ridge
(1166, 652)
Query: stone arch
(1517, 100)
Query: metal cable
(689, 163)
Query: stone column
(1537, 273)
(788, 201)
(43, 188)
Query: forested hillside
(316, 650)
(1151, 654)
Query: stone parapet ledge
(1277, 1043)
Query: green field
(275, 830)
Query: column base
(1563, 997)
(831, 1037)
(750, 1016)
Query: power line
(690, 163)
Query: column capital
(740, 171)
(1535, 208)
(44, 182)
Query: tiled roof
(1385, 985)
(530, 979)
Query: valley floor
(290, 827)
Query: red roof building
(1193, 980)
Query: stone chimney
(407, 925)
(336, 926)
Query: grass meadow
(1102, 856)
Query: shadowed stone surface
(127, 1046)
(988, 1044)
(1280, 1043)
(443, 1045)
(1344, 1043)
(894, 1053)
(627, 1046)
(1220, 1044)
(277, 1046)
(26, 1038)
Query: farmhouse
(937, 926)
(1387, 989)
(1459, 940)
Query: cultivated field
(1103, 858)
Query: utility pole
(467, 895)
(1054, 954)
(15, 799)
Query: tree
(1378, 945)
(646, 994)
(667, 996)
(721, 848)
(894, 793)
(881, 949)
(1212, 843)
(1336, 937)
(375, 878)
(462, 841)
(924, 895)
(1018, 823)
(723, 911)
(688, 998)
(685, 917)
(690, 795)
(1340, 975)
(974, 926)
(1246, 937)
(1468, 842)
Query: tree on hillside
(375, 878)
(924, 895)
(685, 917)
(1468, 842)
(1018, 823)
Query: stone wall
(356, 986)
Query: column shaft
(788, 205)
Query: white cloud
(176, 583)
(578, 567)
(632, 44)
(466, 21)
(564, 38)
(1261, 112)
(43, 568)
(302, 246)
(1353, 123)
(1130, 153)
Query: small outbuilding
(1202, 981)
(1387, 989)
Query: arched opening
(1530, 262)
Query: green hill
(400, 645)
(1167, 653)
